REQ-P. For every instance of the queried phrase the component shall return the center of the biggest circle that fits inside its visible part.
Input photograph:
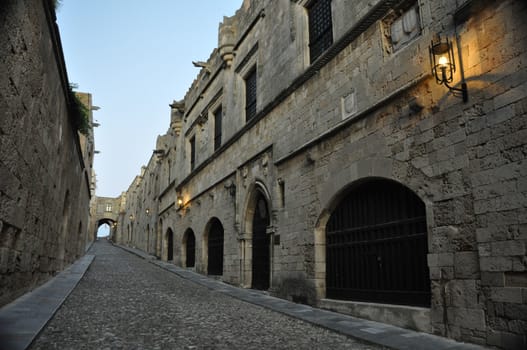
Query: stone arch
(213, 240)
(188, 248)
(331, 205)
(105, 221)
(250, 204)
(256, 247)
(169, 244)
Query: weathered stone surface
(367, 110)
(44, 167)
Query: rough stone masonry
(44, 171)
(328, 167)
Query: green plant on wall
(79, 112)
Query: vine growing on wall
(80, 112)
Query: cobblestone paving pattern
(123, 302)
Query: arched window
(215, 248)
(376, 246)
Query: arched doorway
(261, 244)
(159, 240)
(376, 246)
(189, 241)
(105, 228)
(215, 248)
(170, 245)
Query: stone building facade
(45, 170)
(316, 157)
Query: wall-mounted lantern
(131, 217)
(147, 211)
(179, 202)
(443, 66)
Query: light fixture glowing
(443, 66)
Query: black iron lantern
(443, 66)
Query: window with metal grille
(250, 95)
(192, 142)
(218, 114)
(320, 28)
(376, 246)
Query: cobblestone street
(124, 302)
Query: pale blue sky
(135, 57)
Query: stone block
(466, 265)
(441, 259)
(506, 294)
(467, 318)
(492, 233)
(495, 279)
(516, 279)
(508, 248)
(484, 249)
(494, 264)
(514, 311)
(518, 326)
(510, 96)
(463, 293)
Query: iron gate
(215, 262)
(376, 246)
(191, 249)
(261, 241)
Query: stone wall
(44, 186)
(366, 109)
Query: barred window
(108, 207)
(320, 28)
(250, 95)
(217, 127)
(192, 152)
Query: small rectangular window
(320, 28)
(217, 128)
(192, 142)
(108, 207)
(250, 95)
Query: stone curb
(369, 331)
(23, 319)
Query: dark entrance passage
(215, 248)
(170, 245)
(261, 254)
(376, 246)
(190, 248)
(105, 228)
